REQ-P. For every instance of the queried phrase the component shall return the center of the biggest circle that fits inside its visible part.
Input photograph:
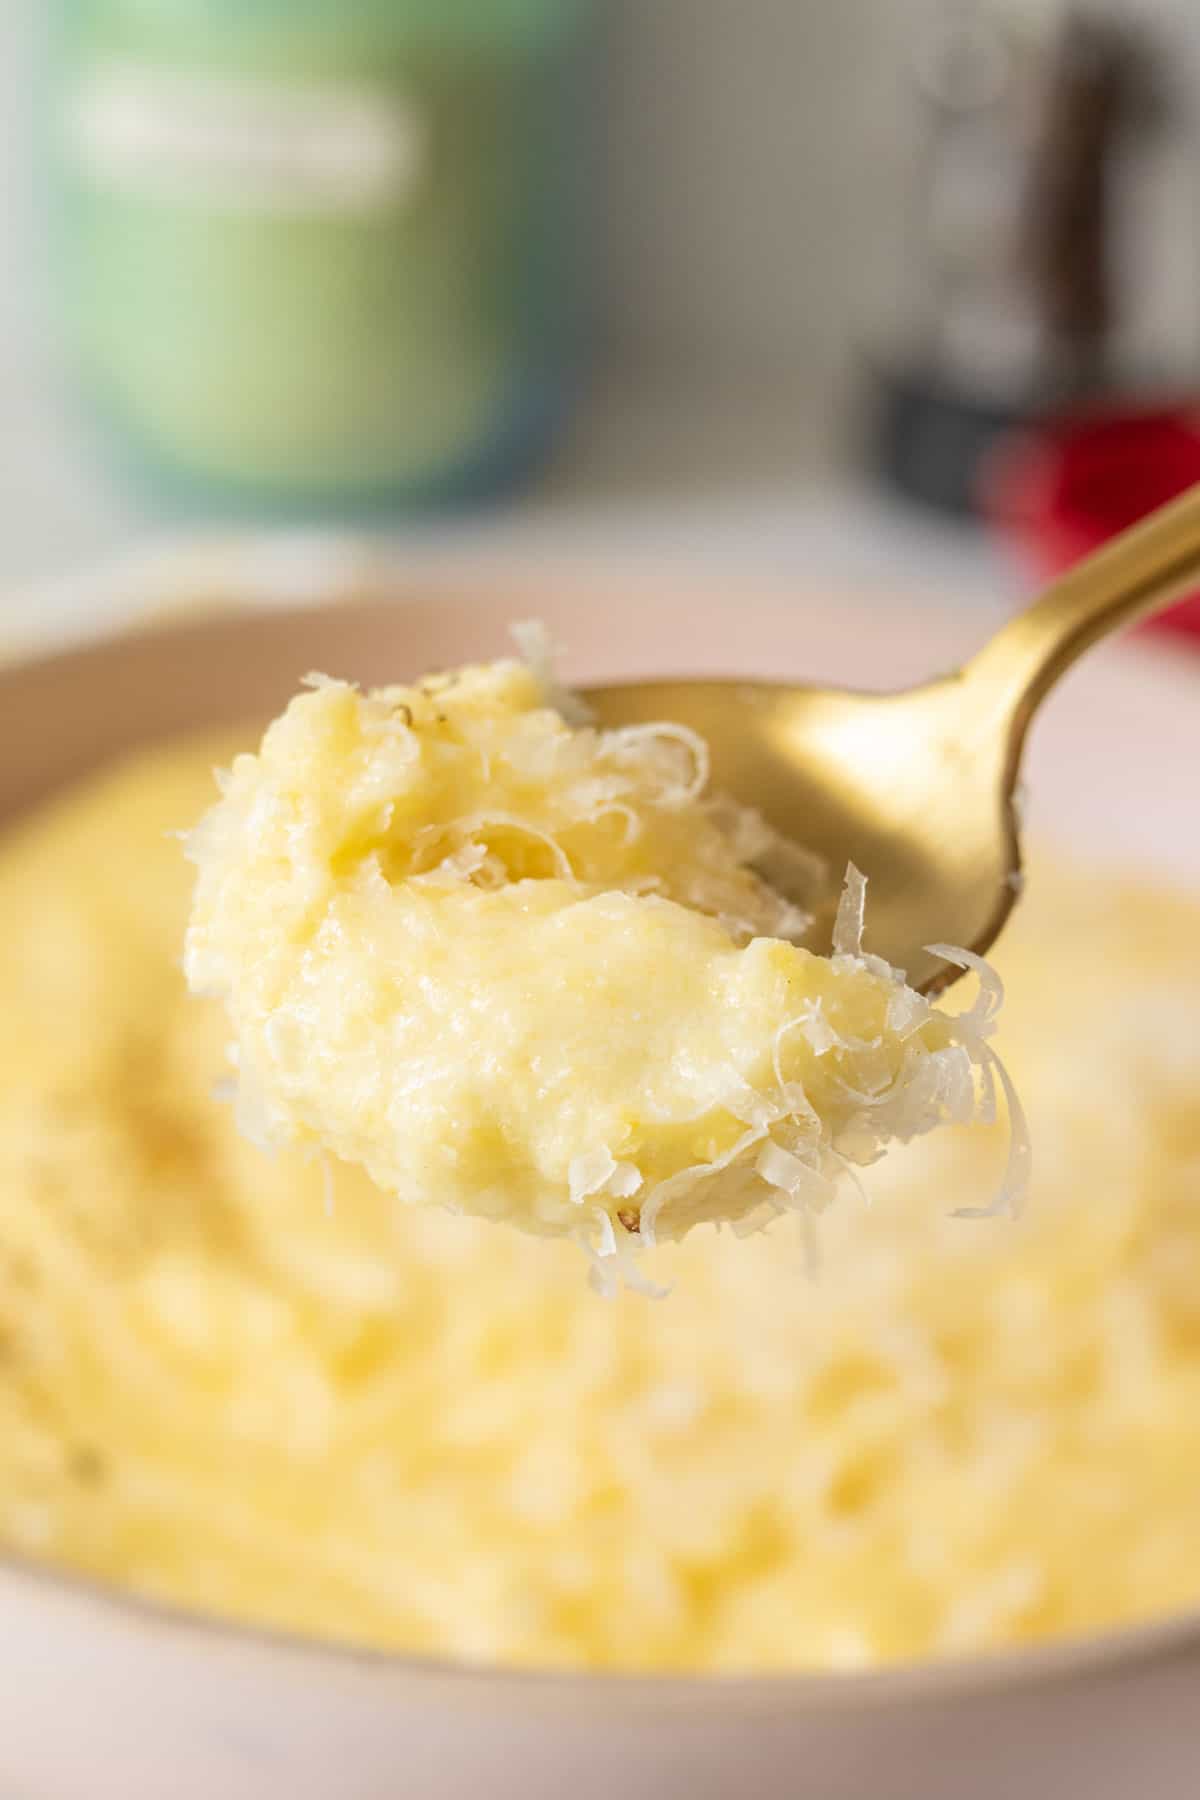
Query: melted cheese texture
(382, 1424)
(524, 971)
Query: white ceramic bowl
(102, 1697)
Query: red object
(1062, 491)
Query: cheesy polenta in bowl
(258, 1388)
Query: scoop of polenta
(524, 969)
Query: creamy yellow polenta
(523, 969)
(379, 1423)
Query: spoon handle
(1144, 569)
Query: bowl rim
(396, 585)
(1063, 1661)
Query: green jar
(320, 251)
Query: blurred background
(896, 292)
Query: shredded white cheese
(526, 970)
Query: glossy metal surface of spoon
(917, 788)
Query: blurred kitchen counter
(671, 474)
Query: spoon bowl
(889, 782)
(917, 789)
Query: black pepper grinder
(1013, 241)
(1101, 88)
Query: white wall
(741, 180)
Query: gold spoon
(917, 788)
